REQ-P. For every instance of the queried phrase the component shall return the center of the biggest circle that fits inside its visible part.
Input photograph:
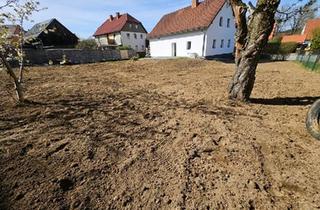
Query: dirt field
(159, 135)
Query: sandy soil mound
(159, 135)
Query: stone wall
(74, 56)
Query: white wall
(137, 44)
(103, 40)
(218, 33)
(162, 47)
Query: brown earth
(159, 135)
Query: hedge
(281, 48)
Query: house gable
(134, 27)
(221, 31)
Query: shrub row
(281, 48)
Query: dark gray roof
(38, 28)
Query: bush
(315, 42)
(287, 48)
(276, 39)
(272, 48)
(124, 48)
(87, 44)
(281, 48)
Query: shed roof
(38, 28)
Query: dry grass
(159, 135)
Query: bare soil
(158, 135)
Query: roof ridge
(188, 18)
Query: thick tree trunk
(251, 38)
(17, 84)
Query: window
(188, 45)
(228, 23)
(141, 36)
(221, 22)
(128, 35)
(214, 44)
(135, 36)
(130, 25)
(137, 26)
(222, 43)
(136, 47)
(142, 47)
(229, 43)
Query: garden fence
(309, 60)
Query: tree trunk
(250, 38)
(21, 56)
(17, 84)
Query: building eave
(200, 29)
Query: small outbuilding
(50, 34)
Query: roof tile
(188, 19)
(115, 25)
(311, 25)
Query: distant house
(204, 29)
(50, 34)
(306, 35)
(13, 32)
(122, 30)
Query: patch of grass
(309, 66)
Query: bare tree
(251, 37)
(23, 13)
(16, 12)
(294, 16)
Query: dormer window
(221, 22)
(130, 25)
(137, 26)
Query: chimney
(195, 3)
(111, 18)
(118, 15)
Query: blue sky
(84, 16)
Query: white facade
(200, 43)
(134, 40)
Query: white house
(204, 29)
(122, 30)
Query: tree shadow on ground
(288, 101)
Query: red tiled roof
(294, 38)
(188, 19)
(115, 25)
(311, 25)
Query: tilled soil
(158, 135)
